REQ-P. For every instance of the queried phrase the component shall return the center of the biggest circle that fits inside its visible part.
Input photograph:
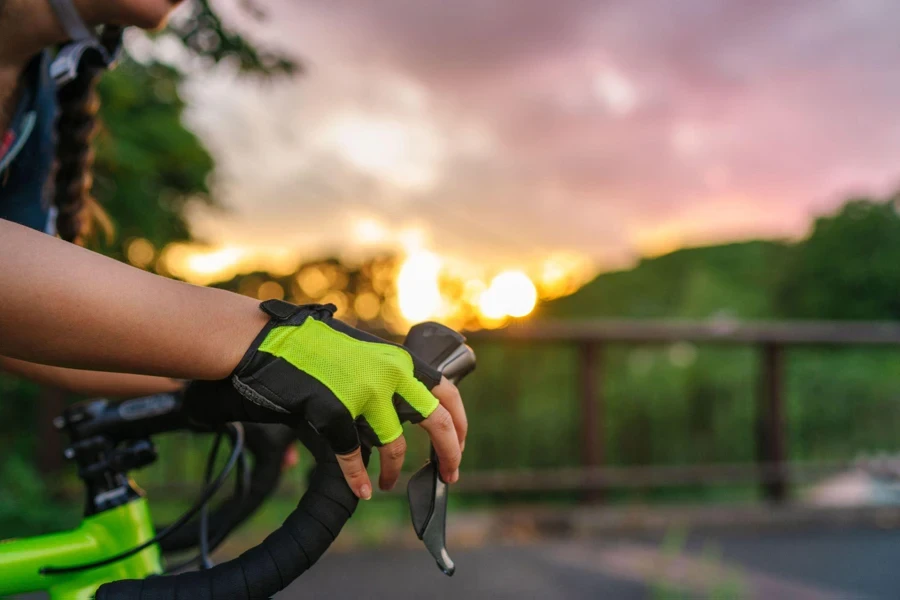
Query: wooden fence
(772, 339)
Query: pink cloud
(606, 117)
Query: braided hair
(77, 211)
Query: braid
(75, 128)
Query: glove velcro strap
(282, 313)
(280, 310)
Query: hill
(737, 280)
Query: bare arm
(91, 383)
(66, 306)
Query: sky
(502, 131)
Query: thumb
(355, 473)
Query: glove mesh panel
(363, 375)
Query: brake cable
(205, 561)
(208, 493)
(241, 489)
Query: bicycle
(116, 553)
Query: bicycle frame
(99, 536)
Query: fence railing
(772, 469)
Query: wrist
(232, 331)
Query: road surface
(795, 565)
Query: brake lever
(428, 493)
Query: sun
(418, 290)
(511, 294)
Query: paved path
(795, 565)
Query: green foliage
(849, 268)
(17, 412)
(26, 507)
(733, 279)
(148, 166)
(682, 404)
(204, 33)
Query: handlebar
(309, 531)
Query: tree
(848, 268)
(148, 165)
(204, 33)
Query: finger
(392, 456)
(449, 397)
(413, 401)
(439, 426)
(355, 473)
(383, 421)
(334, 422)
(339, 429)
(291, 458)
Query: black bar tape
(271, 566)
(157, 589)
(125, 591)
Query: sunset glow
(205, 265)
(511, 294)
(213, 262)
(435, 126)
(370, 231)
(417, 286)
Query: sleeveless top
(27, 151)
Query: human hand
(349, 385)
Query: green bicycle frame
(99, 536)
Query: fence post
(771, 430)
(593, 440)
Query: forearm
(91, 383)
(66, 306)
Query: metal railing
(772, 469)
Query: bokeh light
(340, 301)
(214, 262)
(367, 306)
(140, 253)
(417, 286)
(562, 274)
(391, 292)
(313, 282)
(511, 293)
(270, 290)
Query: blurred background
(670, 231)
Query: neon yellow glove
(345, 382)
